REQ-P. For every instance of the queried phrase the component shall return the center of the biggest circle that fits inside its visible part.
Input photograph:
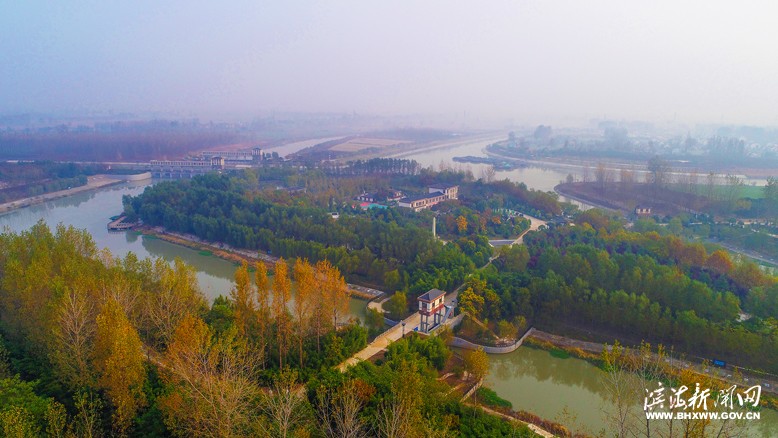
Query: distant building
(381, 196)
(450, 190)
(367, 197)
(234, 157)
(435, 195)
(642, 210)
(432, 303)
(184, 168)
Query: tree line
(92, 344)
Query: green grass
(205, 252)
(490, 398)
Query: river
(535, 177)
(91, 211)
(537, 382)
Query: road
(535, 223)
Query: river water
(91, 211)
(535, 177)
(570, 391)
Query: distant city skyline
(559, 62)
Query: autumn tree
(322, 305)
(213, 393)
(286, 406)
(476, 362)
(338, 409)
(118, 359)
(399, 414)
(282, 289)
(263, 310)
(74, 334)
(461, 224)
(719, 262)
(243, 298)
(334, 288)
(305, 280)
(176, 295)
(471, 303)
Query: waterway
(570, 391)
(91, 211)
(534, 177)
(297, 146)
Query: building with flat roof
(434, 195)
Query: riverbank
(560, 189)
(235, 255)
(93, 183)
(591, 351)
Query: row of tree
(91, 345)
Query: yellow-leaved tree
(282, 290)
(306, 284)
(118, 359)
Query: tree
(74, 333)
(244, 301)
(305, 279)
(176, 295)
(471, 303)
(658, 170)
(17, 422)
(476, 362)
(86, 422)
(374, 319)
(719, 262)
(399, 414)
(263, 310)
(602, 176)
(281, 296)
(339, 410)
(211, 380)
(397, 305)
(118, 358)
(286, 406)
(322, 306)
(461, 224)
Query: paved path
(391, 335)
(534, 224)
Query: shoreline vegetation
(557, 345)
(223, 251)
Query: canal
(570, 391)
(91, 211)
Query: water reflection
(535, 381)
(91, 211)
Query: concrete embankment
(93, 182)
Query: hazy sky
(533, 61)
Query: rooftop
(431, 295)
(443, 186)
(424, 196)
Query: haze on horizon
(521, 61)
